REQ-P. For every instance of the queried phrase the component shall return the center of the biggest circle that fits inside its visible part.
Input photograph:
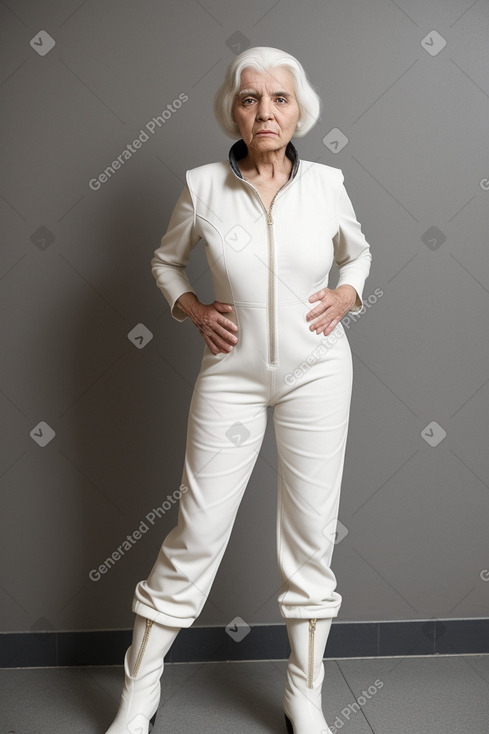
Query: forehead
(279, 78)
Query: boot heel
(288, 724)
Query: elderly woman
(272, 224)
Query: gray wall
(75, 280)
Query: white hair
(264, 58)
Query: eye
(247, 101)
(281, 100)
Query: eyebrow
(254, 93)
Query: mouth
(265, 132)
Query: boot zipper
(310, 672)
(137, 664)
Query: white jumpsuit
(266, 264)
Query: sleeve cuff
(176, 311)
(357, 284)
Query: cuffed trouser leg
(225, 433)
(311, 426)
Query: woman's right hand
(219, 332)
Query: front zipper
(272, 296)
(144, 642)
(310, 671)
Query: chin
(272, 141)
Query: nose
(264, 111)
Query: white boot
(305, 673)
(143, 666)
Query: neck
(268, 164)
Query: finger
(224, 328)
(319, 295)
(325, 304)
(219, 344)
(225, 334)
(326, 320)
(315, 312)
(225, 308)
(214, 342)
(212, 346)
(316, 296)
(215, 330)
(227, 324)
(331, 327)
(210, 320)
(318, 310)
(222, 307)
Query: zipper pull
(269, 217)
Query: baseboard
(240, 642)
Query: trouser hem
(312, 612)
(159, 617)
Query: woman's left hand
(334, 304)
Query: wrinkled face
(265, 109)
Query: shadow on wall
(125, 430)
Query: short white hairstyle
(264, 58)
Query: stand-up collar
(240, 149)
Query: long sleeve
(172, 256)
(352, 251)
